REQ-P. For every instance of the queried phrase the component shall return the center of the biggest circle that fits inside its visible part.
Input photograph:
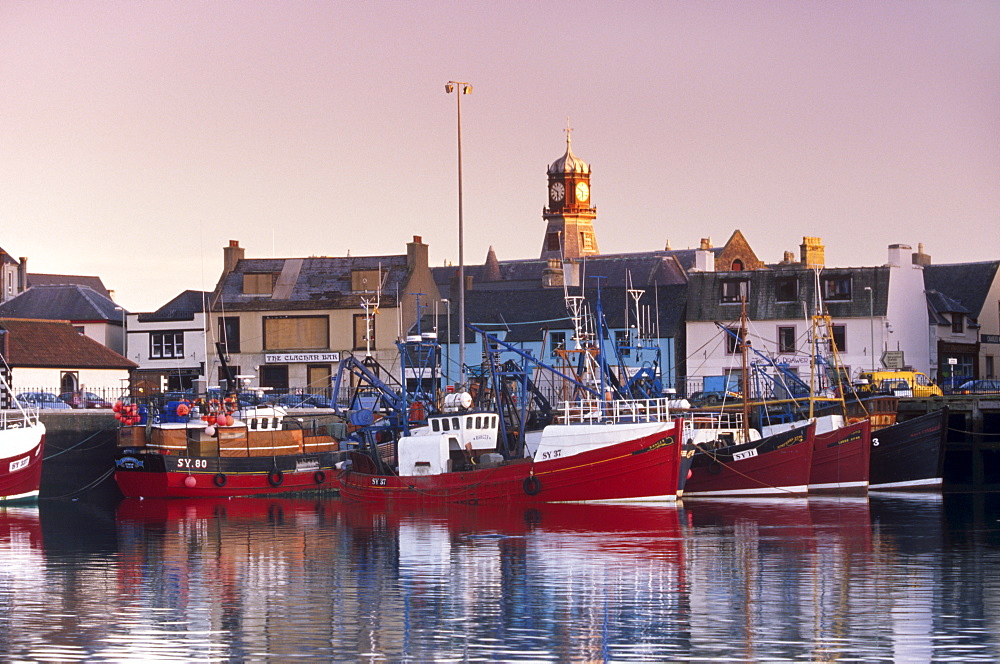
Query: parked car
(979, 387)
(897, 382)
(84, 400)
(45, 400)
(714, 398)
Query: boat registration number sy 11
(745, 454)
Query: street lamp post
(871, 321)
(464, 89)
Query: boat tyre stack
(532, 485)
(275, 477)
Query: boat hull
(841, 458)
(21, 451)
(909, 455)
(776, 465)
(642, 469)
(143, 474)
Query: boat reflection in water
(897, 578)
(293, 577)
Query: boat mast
(743, 359)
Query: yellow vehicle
(901, 383)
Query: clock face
(582, 191)
(558, 191)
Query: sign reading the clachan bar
(302, 357)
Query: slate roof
(965, 283)
(704, 294)
(55, 344)
(74, 303)
(320, 283)
(663, 268)
(182, 307)
(526, 314)
(94, 283)
(939, 304)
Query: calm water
(885, 579)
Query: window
(229, 333)
(837, 289)
(737, 265)
(259, 283)
(552, 242)
(274, 376)
(364, 335)
(786, 289)
(957, 323)
(365, 280)
(840, 337)
(587, 241)
(623, 341)
(786, 339)
(164, 345)
(734, 290)
(80, 329)
(733, 340)
(296, 333)
(318, 377)
(557, 342)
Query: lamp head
(467, 90)
(449, 88)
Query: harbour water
(888, 578)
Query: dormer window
(957, 323)
(737, 265)
(365, 280)
(259, 283)
(786, 289)
(837, 288)
(734, 290)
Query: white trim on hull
(930, 482)
(798, 489)
(30, 497)
(833, 486)
(615, 501)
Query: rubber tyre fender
(275, 477)
(532, 485)
(319, 477)
(220, 480)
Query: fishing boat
(501, 440)
(216, 448)
(597, 452)
(909, 455)
(841, 459)
(777, 465)
(22, 441)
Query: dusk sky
(138, 138)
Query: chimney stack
(897, 254)
(812, 252)
(231, 255)
(22, 275)
(920, 258)
(416, 253)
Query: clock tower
(569, 216)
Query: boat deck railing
(713, 420)
(26, 416)
(613, 411)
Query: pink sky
(138, 138)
